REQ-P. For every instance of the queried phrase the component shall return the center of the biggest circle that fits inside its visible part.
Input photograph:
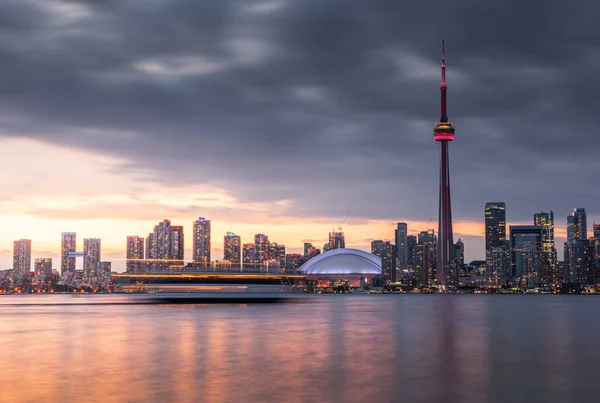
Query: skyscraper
(201, 253)
(22, 257)
(447, 275)
(42, 266)
(411, 252)
(596, 231)
(496, 257)
(135, 253)
(459, 253)
(336, 240)
(249, 255)
(277, 254)
(261, 247)
(177, 239)
(68, 244)
(401, 234)
(91, 258)
(549, 274)
(526, 253)
(385, 250)
(579, 224)
(232, 248)
(163, 238)
(425, 258)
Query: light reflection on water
(344, 348)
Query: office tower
(292, 261)
(68, 244)
(401, 234)
(178, 244)
(459, 253)
(496, 256)
(249, 255)
(425, 258)
(579, 224)
(91, 258)
(312, 252)
(596, 231)
(307, 246)
(277, 253)
(385, 251)
(570, 229)
(549, 275)
(135, 253)
(232, 248)
(261, 246)
(42, 266)
(595, 259)
(163, 238)
(336, 240)
(22, 257)
(201, 253)
(411, 253)
(446, 272)
(526, 254)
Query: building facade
(496, 255)
(526, 255)
(336, 240)
(232, 249)
(549, 271)
(400, 237)
(135, 254)
(91, 258)
(202, 246)
(42, 266)
(68, 243)
(22, 257)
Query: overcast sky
(280, 116)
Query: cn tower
(444, 133)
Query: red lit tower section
(446, 271)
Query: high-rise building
(68, 244)
(496, 256)
(425, 258)
(277, 253)
(163, 236)
(178, 242)
(261, 246)
(549, 274)
(307, 246)
(201, 253)
(401, 235)
(336, 240)
(581, 262)
(91, 258)
(411, 252)
(292, 261)
(526, 254)
(459, 253)
(596, 231)
(135, 253)
(232, 249)
(42, 266)
(150, 246)
(22, 257)
(249, 255)
(385, 250)
(570, 229)
(579, 224)
(104, 271)
(446, 272)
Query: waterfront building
(385, 251)
(178, 243)
(526, 254)
(22, 257)
(91, 258)
(596, 231)
(261, 247)
(68, 243)
(277, 254)
(135, 253)
(496, 254)
(293, 261)
(446, 272)
(249, 255)
(579, 224)
(232, 248)
(425, 258)
(42, 266)
(202, 246)
(576, 250)
(411, 253)
(549, 274)
(400, 237)
(580, 262)
(459, 253)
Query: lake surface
(410, 348)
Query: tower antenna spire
(443, 64)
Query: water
(412, 348)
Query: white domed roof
(343, 261)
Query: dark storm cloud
(327, 103)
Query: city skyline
(344, 125)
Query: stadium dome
(343, 261)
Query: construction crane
(344, 222)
